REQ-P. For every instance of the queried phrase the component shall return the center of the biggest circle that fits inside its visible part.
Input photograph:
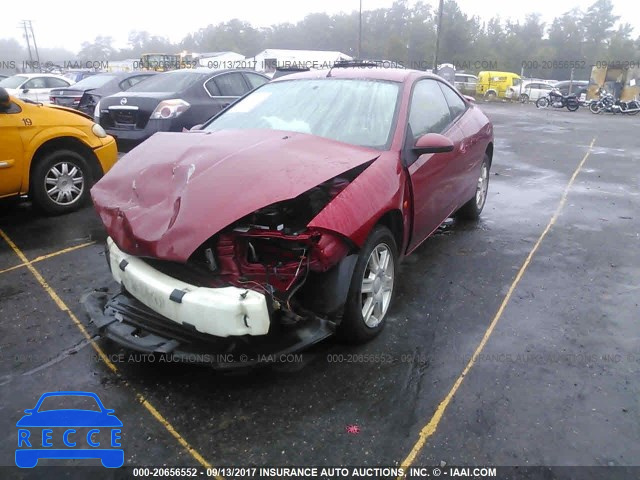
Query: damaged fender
(148, 210)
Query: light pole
(360, 33)
(435, 56)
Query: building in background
(268, 60)
(621, 81)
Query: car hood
(174, 191)
(69, 418)
(70, 110)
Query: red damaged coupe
(282, 220)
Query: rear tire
(60, 182)
(372, 288)
(490, 96)
(573, 106)
(473, 208)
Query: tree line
(406, 33)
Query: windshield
(13, 82)
(358, 112)
(94, 81)
(167, 82)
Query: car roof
(575, 82)
(365, 73)
(31, 75)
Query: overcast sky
(65, 24)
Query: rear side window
(168, 82)
(231, 84)
(135, 80)
(456, 105)
(429, 109)
(56, 82)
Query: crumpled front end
(265, 283)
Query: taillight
(167, 109)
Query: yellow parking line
(62, 306)
(44, 257)
(430, 428)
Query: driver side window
(429, 110)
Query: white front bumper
(222, 312)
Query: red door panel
(434, 180)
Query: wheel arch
(393, 220)
(66, 143)
(489, 152)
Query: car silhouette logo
(123, 101)
(36, 433)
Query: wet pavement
(556, 383)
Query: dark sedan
(85, 94)
(578, 87)
(173, 101)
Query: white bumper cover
(222, 312)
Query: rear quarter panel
(478, 132)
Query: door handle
(7, 163)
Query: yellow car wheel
(60, 182)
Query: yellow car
(53, 154)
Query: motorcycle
(556, 99)
(630, 108)
(608, 103)
(604, 103)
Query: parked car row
(533, 90)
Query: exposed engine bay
(272, 251)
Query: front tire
(473, 208)
(60, 182)
(524, 98)
(595, 108)
(542, 102)
(372, 288)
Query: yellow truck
(492, 85)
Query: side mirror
(25, 90)
(5, 102)
(433, 143)
(470, 99)
(196, 127)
